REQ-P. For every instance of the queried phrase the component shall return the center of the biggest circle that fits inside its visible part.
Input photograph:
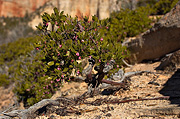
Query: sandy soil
(141, 86)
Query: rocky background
(101, 8)
(28, 13)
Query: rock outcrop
(161, 39)
(171, 62)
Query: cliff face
(85, 7)
(101, 8)
(18, 8)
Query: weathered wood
(5, 117)
(117, 79)
(28, 113)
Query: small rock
(98, 117)
(108, 114)
(52, 117)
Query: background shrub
(13, 50)
(4, 80)
(129, 23)
(11, 57)
(159, 7)
(12, 29)
(164, 6)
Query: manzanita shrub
(64, 41)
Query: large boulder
(161, 39)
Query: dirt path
(141, 86)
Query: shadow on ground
(172, 88)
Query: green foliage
(164, 6)
(11, 58)
(129, 23)
(13, 50)
(59, 51)
(4, 80)
(159, 7)
(146, 2)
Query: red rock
(18, 8)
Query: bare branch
(117, 101)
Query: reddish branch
(141, 99)
(113, 101)
(111, 82)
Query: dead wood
(115, 81)
(119, 79)
(28, 113)
(5, 117)
(117, 101)
(65, 106)
(112, 82)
